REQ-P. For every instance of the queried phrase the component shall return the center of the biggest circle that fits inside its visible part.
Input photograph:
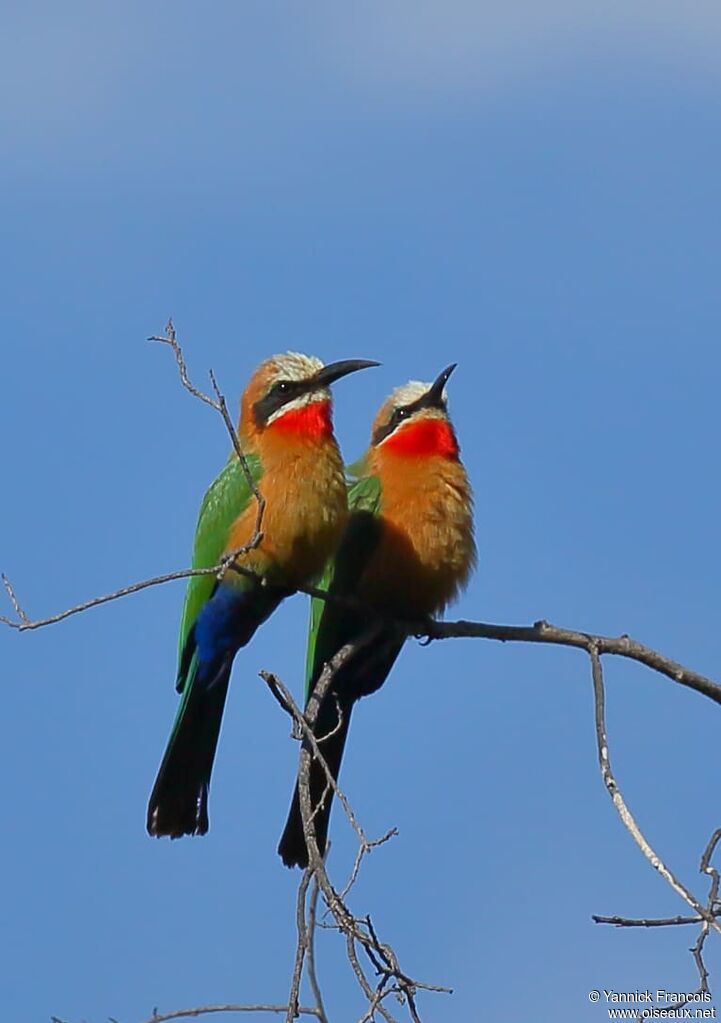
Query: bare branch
(614, 792)
(706, 915)
(170, 339)
(714, 909)
(666, 921)
(540, 632)
(374, 997)
(206, 1010)
(223, 409)
(25, 624)
(706, 868)
(220, 406)
(713, 912)
(364, 847)
(310, 955)
(304, 728)
(356, 930)
(301, 948)
(359, 932)
(15, 603)
(543, 632)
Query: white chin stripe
(322, 394)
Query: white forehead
(295, 366)
(411, 392)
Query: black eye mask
(284, 391)
(433, 398)
(279, 395)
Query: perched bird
(406, 552)
(286, 432)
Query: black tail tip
(293, 853)
(177, 820)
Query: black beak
(435, 395)
(335, 370)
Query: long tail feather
(178, 804)
(359, 677)
(332, 735)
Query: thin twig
(170, 338)
(365, 847)
(310, 954)
(713, 909)
(374, 1001)
(255, 490)
(15, 603)
(356, 931)
(706, 915)
(219, 405)
(26, 624)
(712, 872)
(300, 949)
(305, 721)
(163, 1017)
(622, 809)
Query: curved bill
(435, 395)
(335, 370)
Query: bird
(407, 551)
(290, 451)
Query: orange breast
(306, 510)
(426, 551)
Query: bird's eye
(282, 387)
(400, 414)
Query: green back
(226, 498)
(330, 625)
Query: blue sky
(532, 192)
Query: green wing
(226, 497)
(328, 623)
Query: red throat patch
(425, 437)
(313, 421)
